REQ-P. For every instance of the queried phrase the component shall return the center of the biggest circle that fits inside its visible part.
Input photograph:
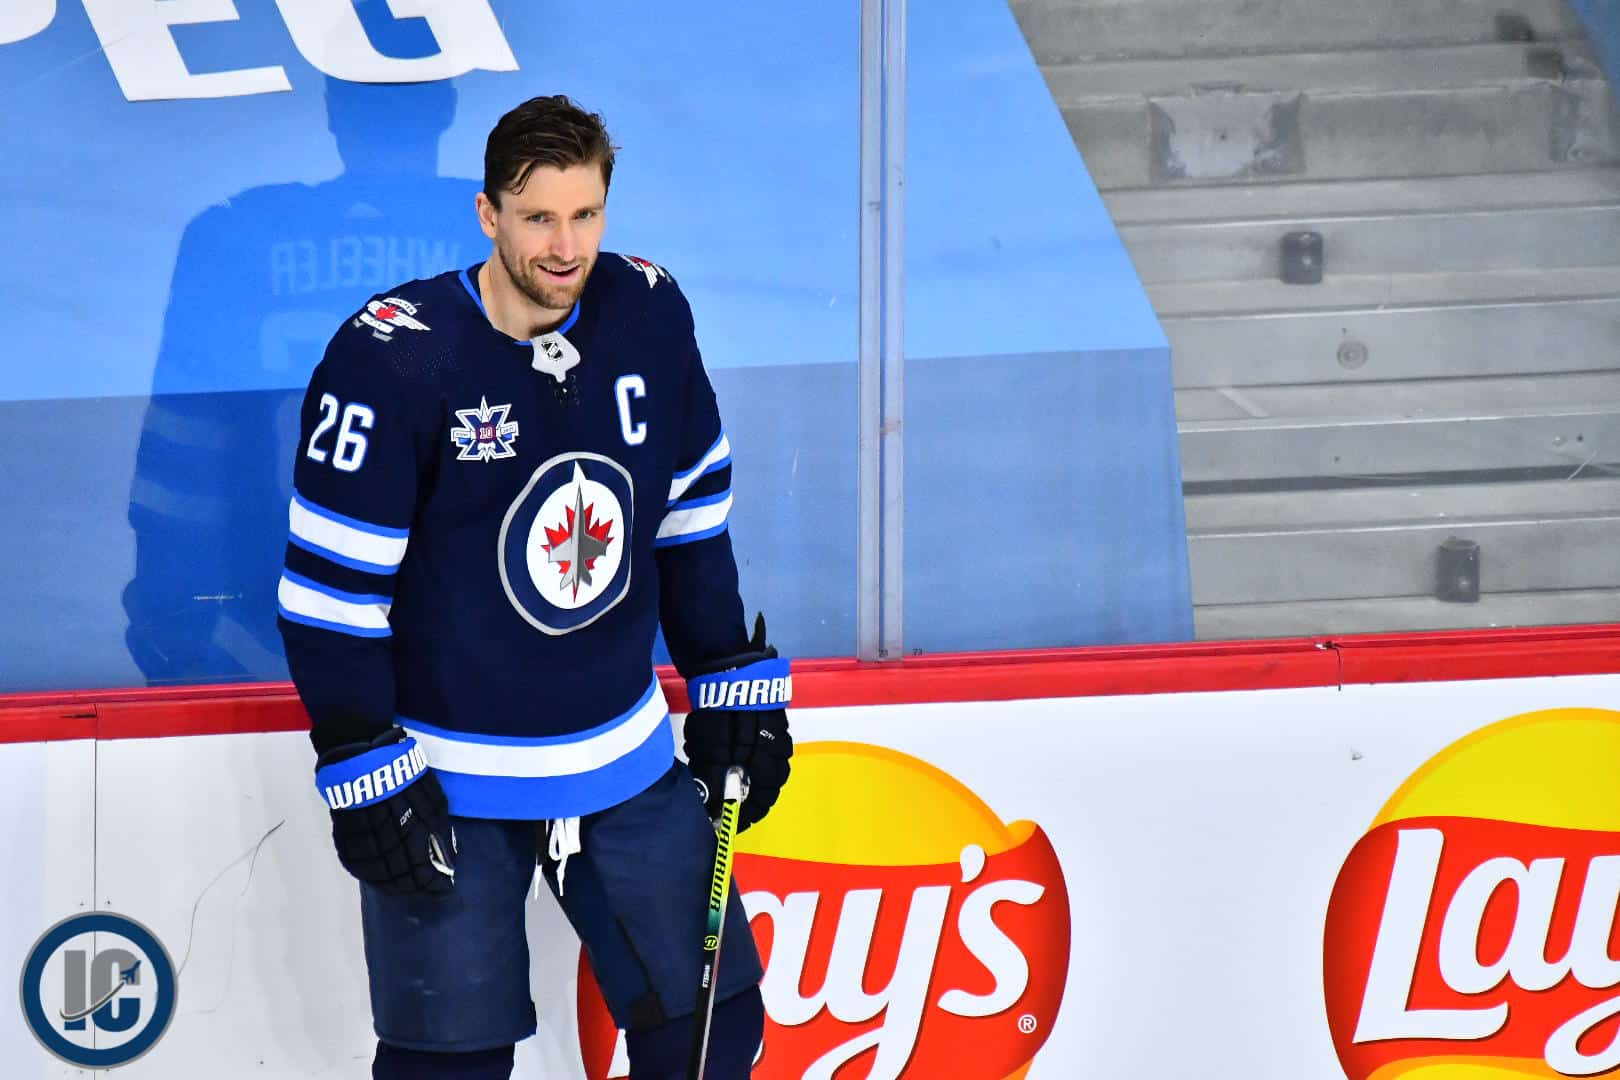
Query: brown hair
(550, 131)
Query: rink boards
(1299, 875)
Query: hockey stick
(719, 892)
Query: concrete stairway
(1457, 370)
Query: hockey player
(508, 478)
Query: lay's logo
(906, 931)
(1471, 933)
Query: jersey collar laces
(562, 840)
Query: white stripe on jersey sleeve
(347, 541)
(718, 455)
(698, 516)
(304, 600)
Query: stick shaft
(719, 893)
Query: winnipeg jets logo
(485, 434)
(389, 314)
(654, 272)
(579, 542)
(563, 557)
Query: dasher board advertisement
(1374, 882)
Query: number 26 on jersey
(349, 453)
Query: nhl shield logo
(562, 548)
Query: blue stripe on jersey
(712, 483)
(687, 538)
(531, 799)
(573, 317)
(683, 480)
(466, 283)
(706, 500)
(335, 593)
(353, 523)
(341, 628)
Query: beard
(532, 283)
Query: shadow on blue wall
(262, 282)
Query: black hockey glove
(739, 717)
(390, 819)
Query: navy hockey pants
(452, 973)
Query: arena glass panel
(1042, 493)
(1382, 245)
(192, 210)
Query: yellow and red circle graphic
(906, 930)
(1471, 933)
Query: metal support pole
(880, 519)
(894, 338)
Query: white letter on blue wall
(146, 61)
(332, 39)
(21, 19)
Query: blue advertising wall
(1602, 19)
(176, 266)
(1043, 488)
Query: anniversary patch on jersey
(485, 434)
(654, 272)
(389, 314)
(562, 550)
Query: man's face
(547, 235)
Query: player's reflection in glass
(261, 282)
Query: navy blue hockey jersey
(485, 534)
